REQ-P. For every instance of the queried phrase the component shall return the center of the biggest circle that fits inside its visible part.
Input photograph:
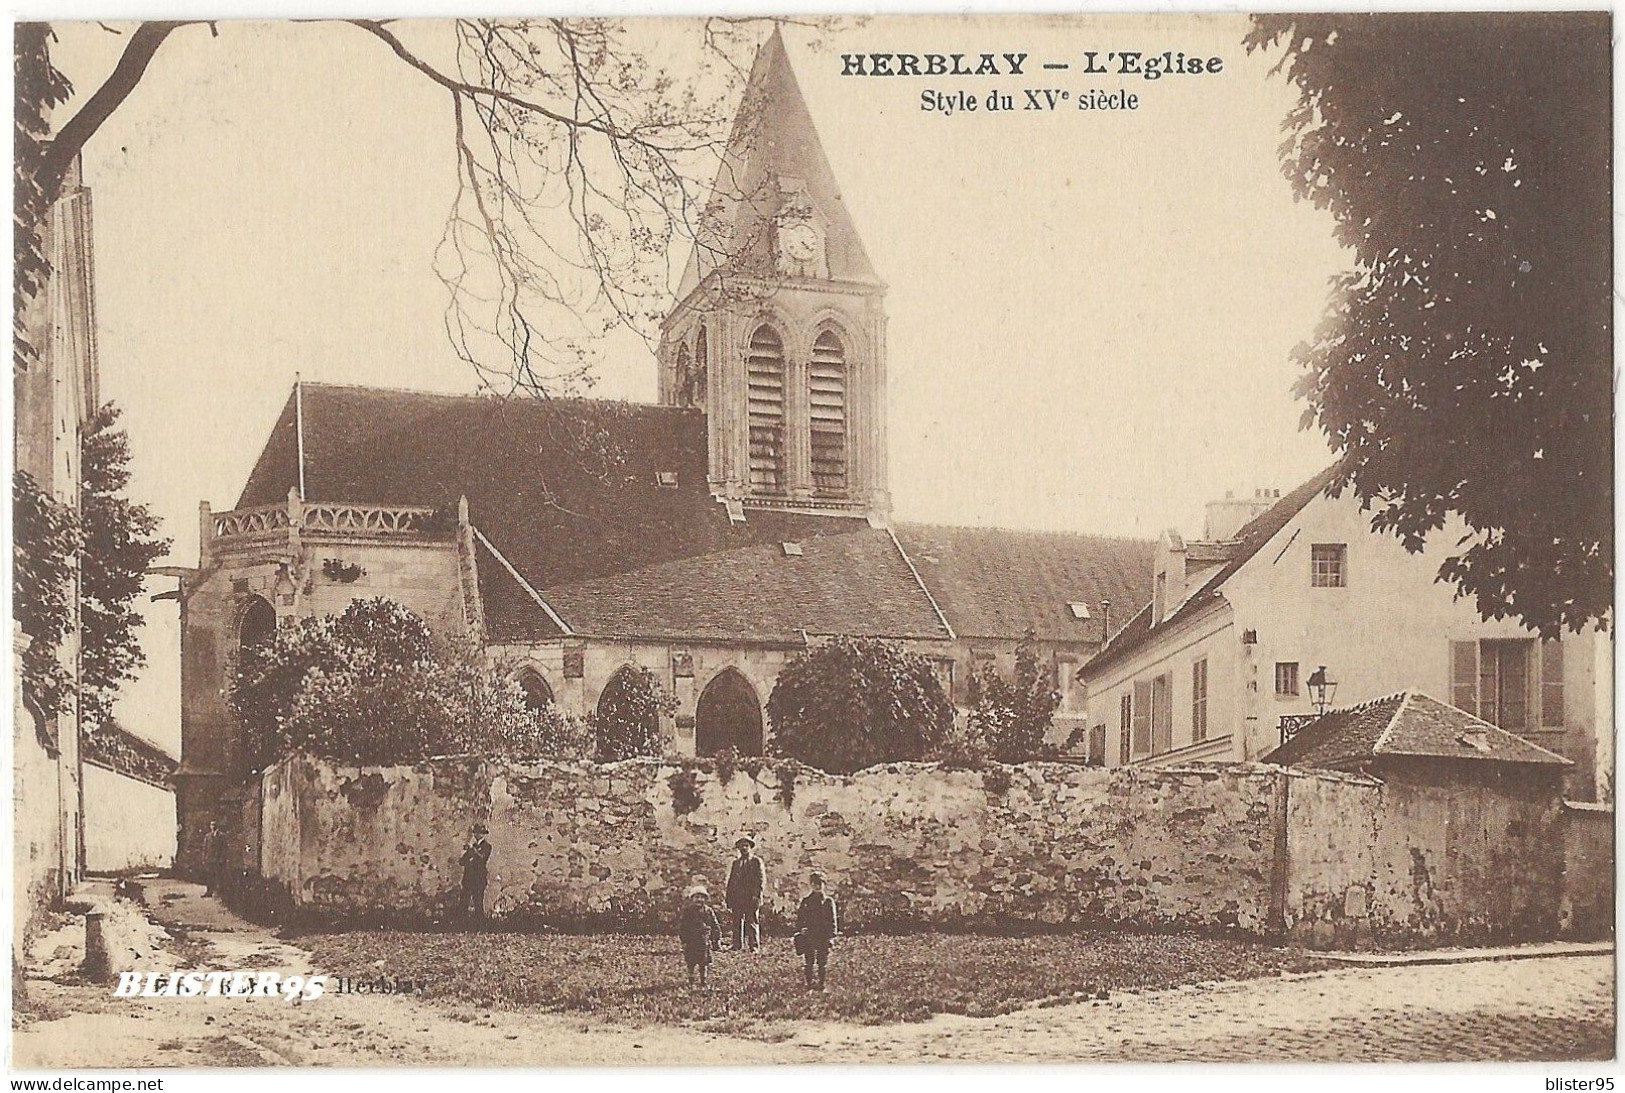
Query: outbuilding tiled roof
(1404, 724)
(993, 582)
(1248, 542)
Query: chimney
(1226, 517)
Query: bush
(726, 764)
(627, 721)
(370, 685)
(685, 791)
(1012, 716)
(855, 702)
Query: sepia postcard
(557, 541)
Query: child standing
(700, 933)
(817, 924)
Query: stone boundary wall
(1588, 870)
(905, 846)
(1325, 859)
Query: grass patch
(873, 979)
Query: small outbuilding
(1466, 830)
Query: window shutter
(1464, 676)
(1551, 684)
(764, 368)
(1162, 713)
(1142, 717)
(1199, 701)
(826, 409)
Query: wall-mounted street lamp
(1321, 689)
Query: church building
(709, 537)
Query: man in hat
(214, 859)
(476, 857)
(747, 880)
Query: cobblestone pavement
(1557, 1008)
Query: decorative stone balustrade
(296, 518)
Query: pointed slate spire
(773, 152)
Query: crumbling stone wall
(905, 845)
(1330, 860)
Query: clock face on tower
(800, 240)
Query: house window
(1097, 745)
(1503, 683)
(1199, 701)
(1328, 565)
(826, 413)
(1493, 679)
(1125, 724)
(1162, 713)
(764, 372)
(1551, 684)
(1286, 678)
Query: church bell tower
(779, 333)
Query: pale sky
(1090, 313)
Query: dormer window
(791, 550)
(666, 480)
(1079, 609)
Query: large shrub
(1012, 716)
(371, 685)
(855, 702)
(45, 544)
(626, 723)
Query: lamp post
(1321, 689)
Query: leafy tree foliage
(1012, 716)
(120, 542)
(855, 702)
(1464, 363)
(626, 723)
(371, 685)
(45, 542)
(38, 89)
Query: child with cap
(816, 927)
(700, 932)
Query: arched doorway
(728, 714)
(258, 624)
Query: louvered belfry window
(764, 368)
(826, 382)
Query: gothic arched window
(538, 695)
(826, 407)
(258, 623)
(682, 378)
(764, 371)
(702, 367)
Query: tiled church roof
(614, 553)
(991, 582)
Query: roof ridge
(1393, 718)
(1062, 533)
(515, 574)
(494, 396)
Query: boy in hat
(476, 857)
(700, 932)
(747, 880)
(816, 925)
